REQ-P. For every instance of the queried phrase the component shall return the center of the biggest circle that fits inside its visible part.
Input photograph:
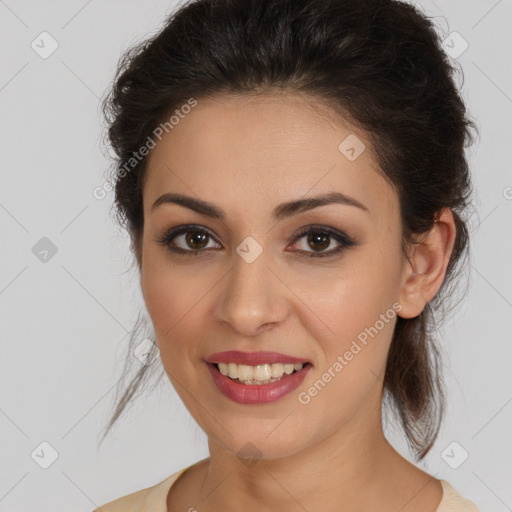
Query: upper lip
(252, 358)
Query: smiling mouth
(260, 374)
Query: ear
(425, 273)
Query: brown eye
(193, 240)
(319, 241)
(186, 239)
(196, 239)
(320, 238)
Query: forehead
(250, 153)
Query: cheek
(352, 352)
(175, 300)
(337, 304)
(349, 312)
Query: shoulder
(452, 501)
(134, 502)
(139, 501)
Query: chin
(250, 447)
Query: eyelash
(341, 238)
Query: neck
(353, 469)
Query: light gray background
(65, 322)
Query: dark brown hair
(379, 64)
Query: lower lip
(258, 393)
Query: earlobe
(425, 272)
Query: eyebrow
(279, 213)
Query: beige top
(154, 499)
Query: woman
(293, 179)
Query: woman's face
(251, 281)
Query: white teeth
(261, 373)
(245, 372)
(288, 368)
(276, 370)
(232, 370)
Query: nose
(253, 298)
